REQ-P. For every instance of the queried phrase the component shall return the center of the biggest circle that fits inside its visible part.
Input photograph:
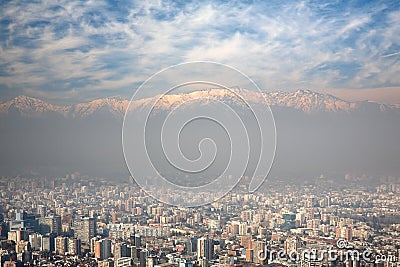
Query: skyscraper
(74, 246)
(84, 229)
(102, 249)
(50, 224)
(61, 243)
(35, 239)
(42, 210)
(142, 258)
(205, 248)
(24, 221)
(121, 250)
(56, 225)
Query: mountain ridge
(303, 100)
(317, 133)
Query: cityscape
(199, 133)
(80, 221)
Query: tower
(205, 248)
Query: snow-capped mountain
(114, 106)
(303, 100)
(309, 101)
(317, 133)
(28, 106)
(31, 107)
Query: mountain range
(316, 133)
(302, 100)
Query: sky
(75, 51)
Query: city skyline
(211, 133)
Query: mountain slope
(28, 106)
(303, 100)
(316, 133)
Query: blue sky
(72, 51)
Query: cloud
(392, 54)
(99, 48)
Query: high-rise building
(84, 229)
(93, 243)
(56, 225)
(142, 258)
(3, 226)
(61, 245)
(246, 241)
(191, 245)
(24, 221)
(205, 248)
(42, 211)
(50, 224)
(48, 243)
(121, 250)
(250, 255)
(136, 240)
(74, 246)
(292, 244)
(35, 239)
(134, 253)
(259, 252)
(22, 246)
(97, 249)
(102, 249)
(349, 234)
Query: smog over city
(200, 133)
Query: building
(42, 210)
(17, 236)
(35, 239)
(56, 225)
(292, 244)
(123, 262)
(185, 263)
(50, 224)
(191, 245)
(121, 250)
(24, 221)
(48, 243)
(74, 246)
(84, 229)
(134, 253)
(205, 248)
(93, 243)
(13, 264)
(106, 263)
(61, 245)
(142, 258)
(102, 249)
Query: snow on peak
(115, 106)
(305, 100)
(309, 101)
(29, 106)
